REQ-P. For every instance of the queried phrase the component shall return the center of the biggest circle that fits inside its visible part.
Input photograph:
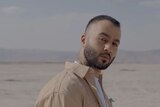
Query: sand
(130, 85)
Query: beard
(91, 57)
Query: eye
(103, 40)
(115, 44)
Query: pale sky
(58, 25)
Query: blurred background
(38, 36)
(37, 30)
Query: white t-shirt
(100, 93)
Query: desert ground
(129, 85)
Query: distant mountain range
(146, 57)
(35, 55)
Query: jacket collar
(81, 70)
(76, 68)
(85, 72)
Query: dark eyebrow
(105, 34)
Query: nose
(108, 47)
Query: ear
(83, 39)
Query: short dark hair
(103, 17)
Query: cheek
(99, 50)
(99, 46)
(95, 45)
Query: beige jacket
(74, 87)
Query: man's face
(101, 43)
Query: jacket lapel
(84, 72)
(90, 80)
(108, 101)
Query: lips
(106, 56)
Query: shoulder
(70, 83)
(65, 82)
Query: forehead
(104, 26)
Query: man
(80, 84)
